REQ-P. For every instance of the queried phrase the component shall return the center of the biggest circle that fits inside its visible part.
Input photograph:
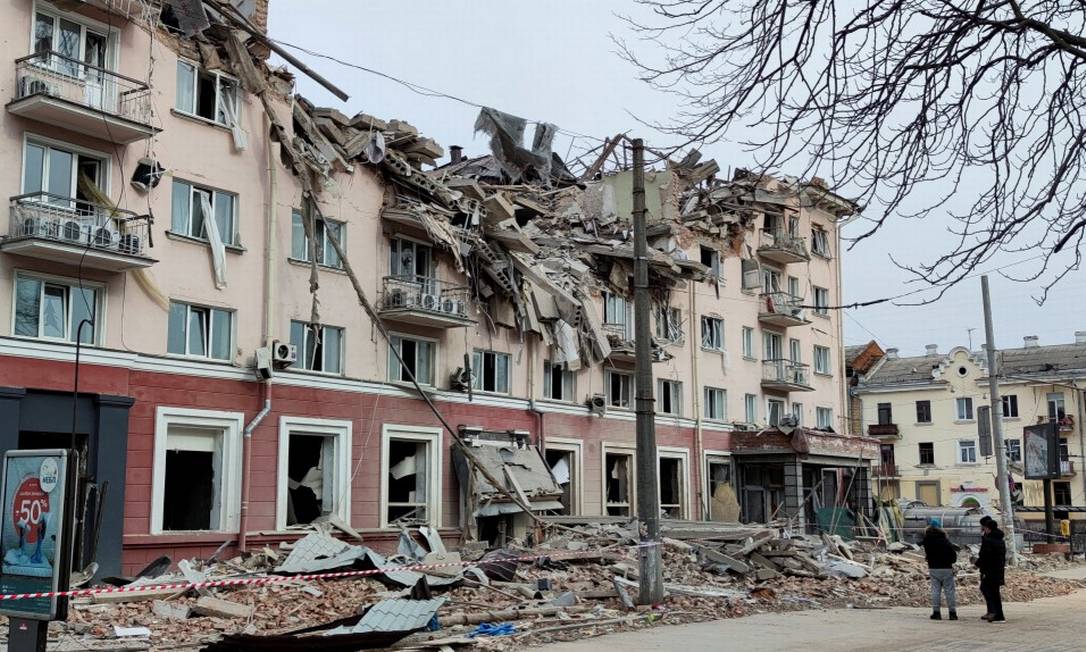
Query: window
(200, 331)
(964, 408)
(752, 275)
(1014, 450)
(325, 231)
(314, 470)
(927, 452)
(771, 280)
(490, 372)
(822, 360)
(410, 260)
(616, 313)
(772, 346)
(824, 418)
(619, 388)
(793, 286)
(748, 342)
(1061, 494)
(54, 309)
(822, 301)
(320, 347)
(1010, 405)
(886, 454)
(716, 404)
(418, 359)
(206, 94)
(967, 451)
(195, 208)
(711, 258)
(886, 414)
(669, 323)
(55, 171)
(670, 397)
(797, 413)
(720, 478)
(820, 243)
(1056, 409)
(774, 411)
(564, 459)
(618, 481)
(1065, 450)
(795, 350)
(750, 408)
(196, 483)
(410, 476)
(671, 470)
(923, 411)
(712, 333)
(557, 382)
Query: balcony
(782, 247)
(884, 430)
(1067, 468)
(622, 345)
(887, 470)
(424, 301)
(781, 309)
(785, 376)
(65, 92)
(73, 232)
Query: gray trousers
(942, 581)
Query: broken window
(619, 388)
(723, 504)
(672, 479)
(669, 323)
(410, 260)
(618, 474)
(310, 477)
(1014, 450)
(712, 333)
(192, 205)
(53, 310)
(320, 347)
(771, 223)
(752, 274)
(418, 359)
(716, 404)
(616, 313)
(206, 94)
(670, 397)
(408, 466)
(711, 258)
(774, 411)
(563, 466)
(490, 372)
(557, 382)
(771, 280)
(200, 331)
(325, 230)
(820, 243)
(192, 492)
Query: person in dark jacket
(941, 556)
(991, 562)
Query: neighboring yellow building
(930, 413)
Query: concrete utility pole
(997, 425)
(648, 499)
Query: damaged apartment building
(284, 314)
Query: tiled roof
(893, 371)
(1054, 359)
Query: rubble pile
(580, 581)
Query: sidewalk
(1041, 626)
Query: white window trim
(622, 449)
(963, 444)
(107, 159)
(682, 454)
(747, 402)
(559, 368)
(677, 403)
(324, 240)
(708, 455)
(710, 319)
(750, 354)
(232, 424)
(340, 432)
(818, 422)
(631, 398)
(413, 433)
(219, 75)
(705, 403)
(781, 414)
(433, 363)
(235, 231)
(576, 448)
(828, 370)
(100, 309)
(210, 336)
(342, 349)
(508, 375)
(958, 418)
(112, 34)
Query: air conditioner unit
(460, 379)
(104, 238)
(34, 86)
(72, 231)
(284, 354)
(395, 299)
(597, 404)
(130, 244)
(431, 302)
(453, 306)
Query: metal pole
(1006, 506)
(648, 498)
(1050, 521)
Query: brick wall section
(260, 15)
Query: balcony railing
(66, 230)
(70, 87)
(781, 309)
(1067, 467)
(425, 300)
(882, 430)
(785, 375)
(781, 246)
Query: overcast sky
(555, 62)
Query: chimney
(456, 153)
(1030, 341)
(932, 349)
(891, 354)
(1080, 337)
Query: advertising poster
(32, 530)
(1041, 452)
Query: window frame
(567, 376)
(750, 408)
(303, 347)
(86, 24)
(339, 430)
(668, 325)
(782, 407)
(927, 406)
(920, 450)
(821, 301)
(477, 379)
(234, 231)
(967, 446)
(715, 331)
(888, 409)
(607, 374)
(219, 76)
(674, 391)
(820, 246)
(576, 449)
(715, 267)
(609, 448)
(432, 346)
(210, 332)
(822, 363)
(232, 425)
(707, 401)
(399, 240)
(1014, 452)
(970, 412)
(105, 163)
(100, 293)
(324, 248)
(433, 438)
(612, 303)
(748, 343)
(683, 456)
(823, 423)
(1009, 406)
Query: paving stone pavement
(1047, 625)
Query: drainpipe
(697, 391)
(247, 453)
(1081, 432)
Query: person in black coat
(992, 563)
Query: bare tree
(908, 106)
